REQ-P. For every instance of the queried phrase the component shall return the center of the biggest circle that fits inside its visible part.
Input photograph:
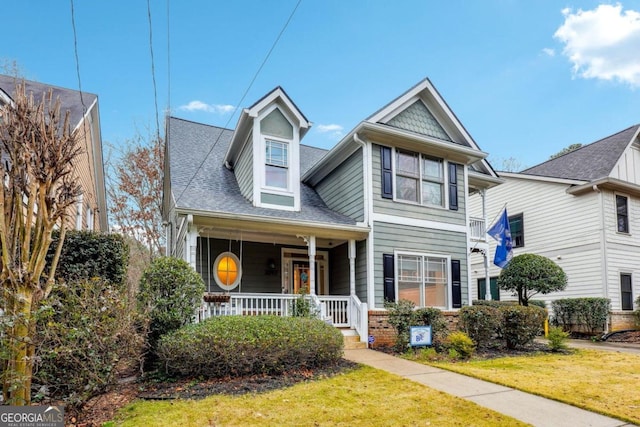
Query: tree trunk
(20, 349)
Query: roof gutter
(606, 183)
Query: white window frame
(424, 255)
(287, 148)
(79, 206)
(421, 178)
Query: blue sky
(526, 78)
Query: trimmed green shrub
(557, 338)
(480, 322)
(170, 292)
(88, 254)
(584, 314)
(403, 315)
(637, 312)
(461, 344)
(249, 345)
(85, 332)
(493, 303)
(520, 324)
(538, 302)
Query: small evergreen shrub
(557, 338)
(637, 312)
(461, 344)
(170, 292)
(520, 325)
(493, 303)
(249, 345)
(400, 317)
(538, 303)
(302, 306)
(85, 332)
(480, 322)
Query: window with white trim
(276, 164)
(423, 280)
(419, 178)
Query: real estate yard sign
(420, 336)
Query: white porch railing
(477, 229)
(340, 311)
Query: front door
(301, 280)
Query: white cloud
(329, 128)
(549, 52)
(334, 130)
(602, 43)
(208, 108)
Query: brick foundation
(384, 335)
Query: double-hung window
(277, 164)
(423, 280)
(626, 292)
(622, 214)
(419, 179)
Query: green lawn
(600, 381)
(362, 397)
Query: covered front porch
(269, 271)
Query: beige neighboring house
(91, 208)
(581, 210)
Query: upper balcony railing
(477, 229)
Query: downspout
(365, 178)
(605, 272)
(368, 209)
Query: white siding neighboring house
(581, 210)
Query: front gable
(417, 118)
(265, 152)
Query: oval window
(227, 271)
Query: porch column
(352, 267)
(192, 243)
(312, 264)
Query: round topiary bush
(520, 325)
(247, 345)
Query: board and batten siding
(628, 166)
(562, 227)
(622, 249)
(395, 237)
(413, 210)
(343, 189)
(244, 170)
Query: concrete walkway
(526, 407)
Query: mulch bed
(631, 337)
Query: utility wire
(153, 71)
(255, 76)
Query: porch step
(352, 339)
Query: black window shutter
(389, 277)
(456, 290)
(387, 178)
(453, 186)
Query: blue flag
(500, 231)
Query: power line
(153, 71)
(75, 49)
(255, 76)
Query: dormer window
(276, 164)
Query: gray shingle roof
(214, 188)
(69, 99)
(589, 162)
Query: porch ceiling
(269, 230)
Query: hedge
(586, 314)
